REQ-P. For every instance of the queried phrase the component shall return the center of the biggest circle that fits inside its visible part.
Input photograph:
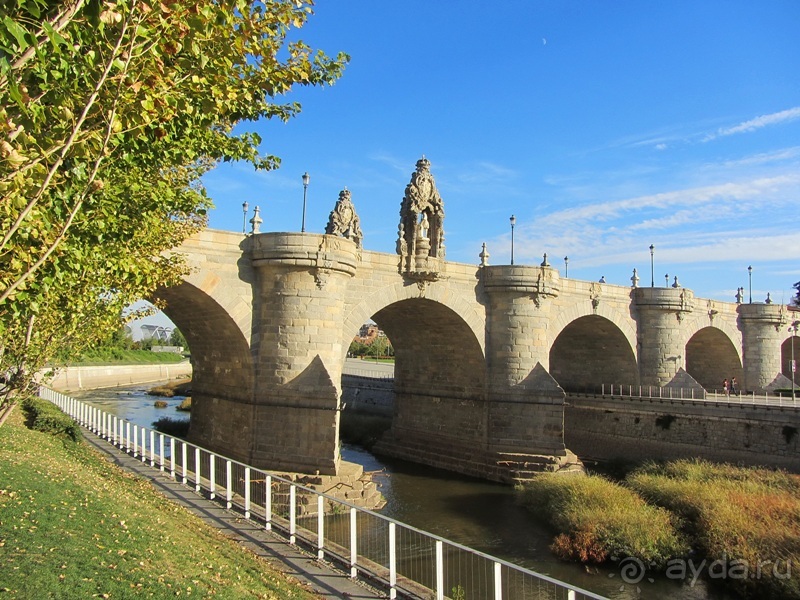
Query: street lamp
(566, 267)
(750, 277)
(513, 221)
(793, 329)
(666, 280)
(244, 217)
(305, 192)
(652, 270)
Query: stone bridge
(483, 353)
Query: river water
(475, 513)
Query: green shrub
(174, 427)
(597, 520)
(46, 417)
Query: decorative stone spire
(343, 220)
(484, 256)
(256, 221)
(635, 279)
(420, 240)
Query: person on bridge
(725, 386)
(733, 385)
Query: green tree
(176, 338)
(109, 114)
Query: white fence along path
(403, 560)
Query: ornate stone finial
(420, 241)
(484, 256)
(739, 295)
(256, 221)
(343, 220)
(768, 300)
(602, 279)
(675, 283)
(635, 279)
(544, 262)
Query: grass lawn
(116, 356)
(72, 525)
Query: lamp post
(793, 329)
(666, 280)
(305, 192)
(566, 267)
(244, 217)
(750, 278)
(513, 221)
(652, 270)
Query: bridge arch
(222, 364)
(441, 293)
(711, 357)
(787, 354)
(592, 350)
(566, 316)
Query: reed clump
(746, 518)
(598, 520)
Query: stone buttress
(660, 312)
(762, 329)
(297, 345)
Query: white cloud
(759, 122)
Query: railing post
(197, 469)
(172, 457)
(498, 581)
(212, 472)
(247, 492)
(320, 527)
(127, 436)
(183, 460)
(353, 543)
(228, 485)
(440, 569)
(114, 437)
(268, 502)
(135, 441)
(144, 444)
(392, 561)
(161, 451)
(292, 516)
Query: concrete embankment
(70, 379)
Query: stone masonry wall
(632, 429)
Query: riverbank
(75, 525)
(91, 377)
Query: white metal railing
(404, 561)
(652, 392)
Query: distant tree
(110, 112)
(176, 338)
(796, 298)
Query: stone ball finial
(675, 283)
(635, 279)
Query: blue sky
(604, 127)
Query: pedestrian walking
(725, 386)
(734, 385)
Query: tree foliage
(796, 298)
(111, 112)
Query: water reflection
(475, 513)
